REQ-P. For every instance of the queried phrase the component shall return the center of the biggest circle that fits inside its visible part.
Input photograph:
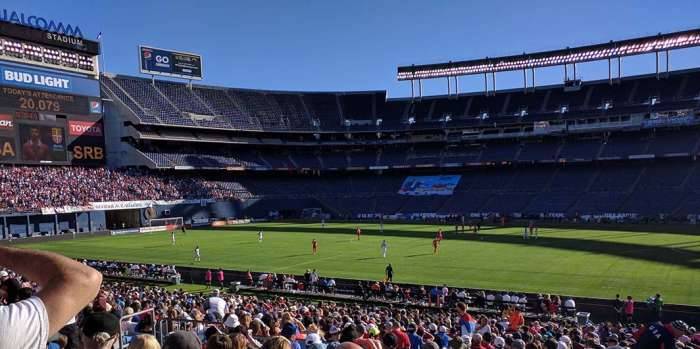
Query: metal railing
(165, 326)
(126, 333)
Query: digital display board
(40, 138)
(170, 63)
(49, 117)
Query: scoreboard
(178, 64)
(50, 109)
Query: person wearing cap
(441, 338)
(313, 341)
(332, 337)
(660, 336)
(99, 331)
(413, 337)
(289, 331)
(182, 340)
(66, 287)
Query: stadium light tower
(568, 57)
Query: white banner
(120, 205)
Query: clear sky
(328, 45)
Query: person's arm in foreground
(66, 286)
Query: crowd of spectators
(28, 188)
(157, 317)
(134, 270)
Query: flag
(99, 36)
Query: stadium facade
(622, 148)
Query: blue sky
(357, 45)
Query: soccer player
(197, 256)
(358, 231)
(323, 222)
(389, 273)
(436, 246)
(385, 247)
(172, 238)
(314, 246)
(260, 236)
(438, 236)
(525, 236)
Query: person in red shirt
(358, 231)
(402, 338)
(515, 319)
(207, 278)
(439, 235)
(220, 276)
(436, 246)
(314, 246)
(34, 149)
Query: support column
(55, 224)
(524, 81)
(493, 77)
(89, 221)
(609, 71)
(456, 86)
(486, 85)
(5, 228)
(533, 78)
(77, 224)
(619, 69)
(29, 222)
(657, 65)
(448, 87)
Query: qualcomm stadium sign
(40, 23)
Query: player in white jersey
(323, 222)
(172, 238)
(385, 248)
(525, 236)
(197, 256)
(260, 235)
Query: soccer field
(563, 261)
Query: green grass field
(563, 261)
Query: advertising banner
(35, 79)
(157, 61)
(429, 185)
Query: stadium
(558, 214)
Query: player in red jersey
(358, 231)
(438, 236)
(436, 246)
(314, 246)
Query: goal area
(170, 223)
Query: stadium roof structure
(568, 56)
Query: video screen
(42, 143)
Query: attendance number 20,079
(39, 104)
